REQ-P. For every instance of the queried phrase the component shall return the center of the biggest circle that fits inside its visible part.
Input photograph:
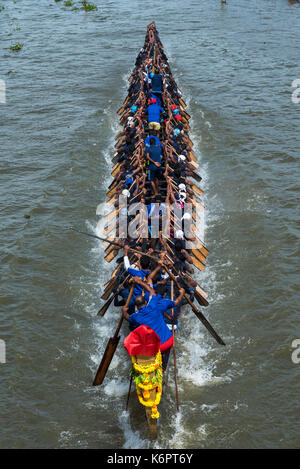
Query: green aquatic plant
(17, 47)
(88, 6)
(68, 3)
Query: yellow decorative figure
(148, 377)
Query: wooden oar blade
(121, 110)
(196, 176)
(109, 290)
(209, 327)
(105, 307)
(201, 300)
(106, 359)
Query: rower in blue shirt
(154, 155)
(134, 272)
(147, 141)
(156, 81)
(151, 314)
(158, 101)
(154, 111)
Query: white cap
(186, 216)
(181, 157)
(125, 192)
(182, 186)
(179, 234)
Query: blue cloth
(154, 174)
(154, 112)
(128, 182)
(152, 315)
(138, 273)
(157, 83)
(158, 101)
(156, 209)
(147, 140)
(155, 155)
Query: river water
(235, 65)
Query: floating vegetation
(1, 8)
(88, 6)
(17, 47)
(85, 5)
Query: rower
(135, 272)
(156, 99)
(154, 155)
(156, 81)
(151, 314)
(154, 111)
(147, 141)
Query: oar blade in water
(106, 359)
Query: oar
(196, 311)
(110, 348)
(114, 282)
(105, 307)
(95, 236)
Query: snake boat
(151, 232)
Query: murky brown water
(235, 65)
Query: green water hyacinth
(89, 6)
(17, 47)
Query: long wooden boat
(152, 80)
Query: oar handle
(97, 237)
